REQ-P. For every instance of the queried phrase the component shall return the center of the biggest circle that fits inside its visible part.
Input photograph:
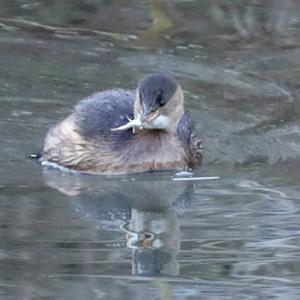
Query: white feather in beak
(131, 124)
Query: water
(89, 237)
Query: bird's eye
(160, 99)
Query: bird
(121, 131)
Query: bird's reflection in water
(143, 207)
(155, 238)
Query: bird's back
(99, 113)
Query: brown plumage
(161, 136)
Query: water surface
(92, 237)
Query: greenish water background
(88, 237)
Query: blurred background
(66, 235)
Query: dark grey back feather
(185, 128)
(96, 115)
(191, 141)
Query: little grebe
(122, 131)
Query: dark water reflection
(89, 237)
